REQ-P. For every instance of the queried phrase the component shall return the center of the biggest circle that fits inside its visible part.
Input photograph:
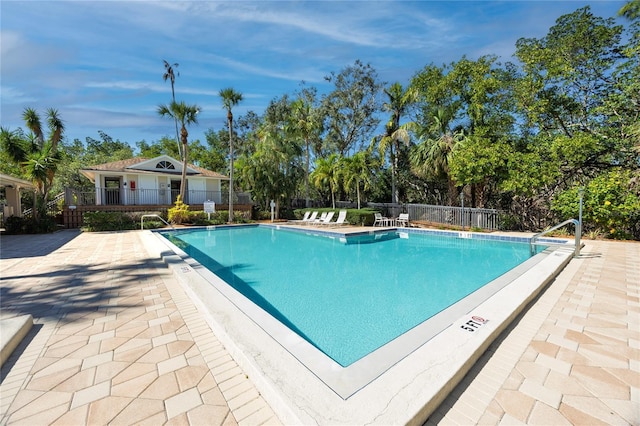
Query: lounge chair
(403, 220)
(309, 220)
(325, 220)
(339, 221)
(315, 219)
(381, 220)
(305, 218)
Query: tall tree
(397, 103)
(327, 174)
(350, 109)
(186, 115)
(170, 74)
(358, 170)
(230, 98)
(435, 150)
(305, 123)
(38, 158)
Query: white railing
(466, 217)
(131, 197)
(52, 206)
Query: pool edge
(291, 410)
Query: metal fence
(141, 197)
(466, 217)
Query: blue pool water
(349, 296)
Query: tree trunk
(230, 122)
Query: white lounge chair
(314, 219)
(310, 219)
(305, 218)
(340, 220)
(325, 220)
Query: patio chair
(340, 220)
(305, 218)
(403, 220)
(381, 220)
(309, 220)
(325, 220)
(314, 219)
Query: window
(166, 165)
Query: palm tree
(37, 158)
(305, 123)
(170, 75)
(327, 172)
(185, 114)
(230, 98)
(436, 149)
(357, 169)
(397, 104)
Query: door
(112, 190)
(175, 191)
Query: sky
(100, 63)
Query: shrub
(22, 225)
(108, 221)
(179, 213)
(611, 205)
(201, 218)
(14, 225)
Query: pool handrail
(154, 215)
(578, 236)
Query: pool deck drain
(571, 358)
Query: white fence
(447, 215)
(132, 197)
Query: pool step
(12, 331)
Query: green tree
(230, 98)
(38, 158)
(170, 74)
(305, 123)
(186, 115)
(350, 109)
(397, 104)
(164, 146)
(435, 150)
(358, 170)
(327, 174)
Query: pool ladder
(577, 244)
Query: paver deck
(116, 340)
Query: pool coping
(406, 391)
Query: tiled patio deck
(117, 341)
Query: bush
(108, 221)
(611, 205)
(201, 218)
(14, 225)
(179, 213)
(22, 225)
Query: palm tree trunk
(183, 180)
(394, 167)
(230, 122)
(306, 180)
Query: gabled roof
(14, 182)
(162, 165)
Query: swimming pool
(349, 295)
(402, 381)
